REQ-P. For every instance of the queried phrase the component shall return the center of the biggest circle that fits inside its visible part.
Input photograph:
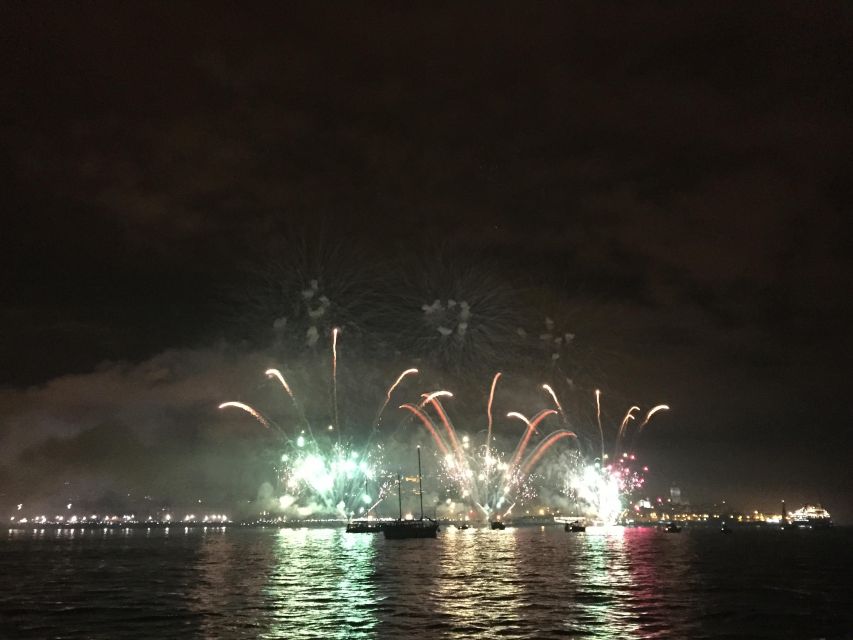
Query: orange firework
(543, 446)
(252, 412)
(429, 426)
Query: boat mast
(420, 486)
(400, 495)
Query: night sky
(674, 180)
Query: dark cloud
(150, 396)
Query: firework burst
(308, 286)
(457, 315)
(600, 486)
(321, 471)
(486, 475)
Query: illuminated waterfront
(527, 582)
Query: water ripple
(517, 583)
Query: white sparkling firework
(325, 475)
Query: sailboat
(401, 529)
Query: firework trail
(488, 466)
(448, 426)
(252, 412)
(553, 395)
(528, 433)
(628, 417)
(378, 420)
(652, 411)
(623, 428)
(390, 391)
(275, 373)
(598, 418)
(428, 397)
(429, 427)
(543, 446)
(335, 376)
(489, 408)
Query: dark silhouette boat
(724, 528)
(673, 528)
(404, 529)
(498, 525)
(574, 527)
(365, 526)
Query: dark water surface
(517, 583)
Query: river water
(519, 583)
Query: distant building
(675, 495)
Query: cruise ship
(810, 517)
